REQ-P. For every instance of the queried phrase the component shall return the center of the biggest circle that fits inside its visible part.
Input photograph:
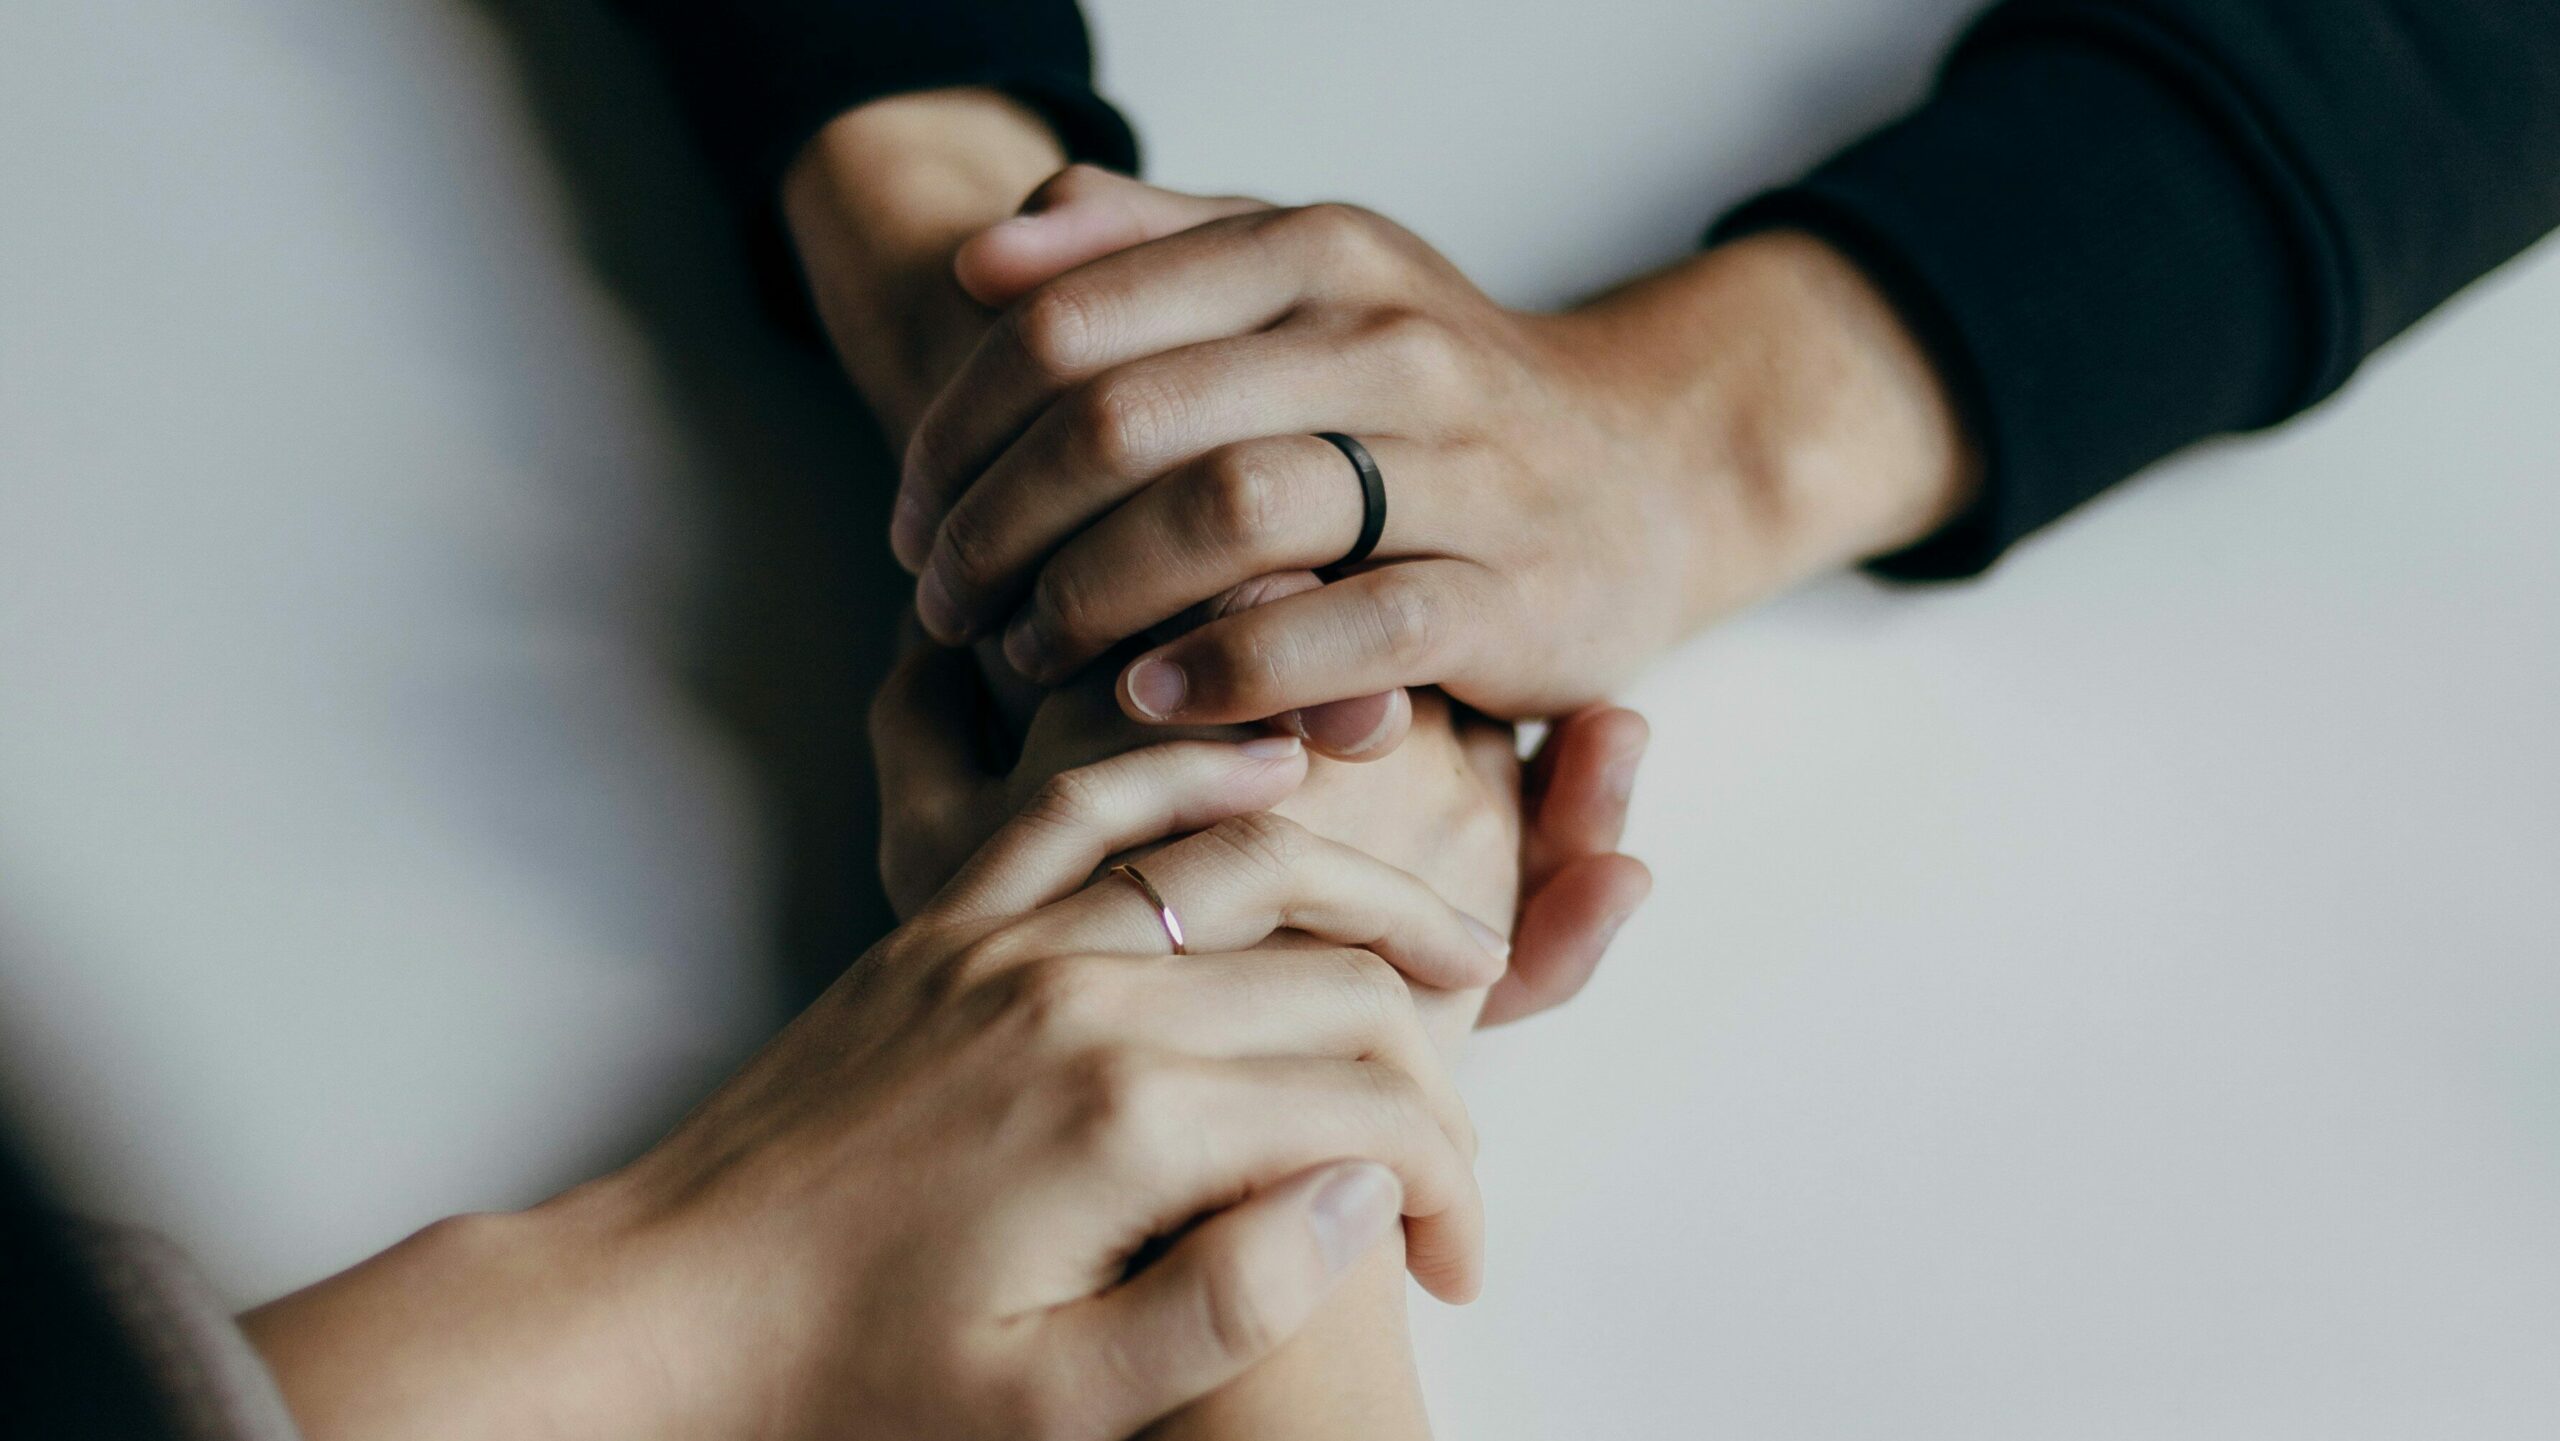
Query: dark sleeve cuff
(2089, 241)
(759, 77)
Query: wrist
(877, 203)
(531, 1323)
(1802, 423)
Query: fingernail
(939, 612)
(1348, 727)
(1271, 748)
(910, 533)
(1157, 687)
(1351, 1211)
(1487, 937)
(1024, 649)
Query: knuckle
(982, 963)
(1378, 984)
(1345, 237)
(1410, 619)
(1057, 331)
(1419, 352)
(930, 450)
(1118, 1103)
(1058, 995)
(1249, 664)
(970, 545)
(1235, 1306)
(1069, 800)
(1125, 421)
(1263, 840)
(1067, 598)
(1240, 498)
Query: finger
(1109, 437)
(1351, 730)
(1417, 622)
(1078, 215)
(1226, 278)
(1078, 817)
(1232, 1125)
(1580, 782)
(1234, 884)
(934, 786)
(1225, 1297)
(1364, 728)
(1564, 929)
(1262, 590)
(1341, 1003)
(1252, 508)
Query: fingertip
(1154, 688)
(1565, 932)
(1282, 756)
(1350, 1209)
(1630, 736)
(1444, 1262)
(1267, 771)
(1364, 728)
(1638, 883)
(990, 265)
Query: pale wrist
(534, 1323)
(876, 204)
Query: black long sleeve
(2124, 226)
(759, 77)
(2121, 226)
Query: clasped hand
(1135, 437)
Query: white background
(2117, 998)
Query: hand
(1082, 214)
(879, 205)
(1568, 493)
(1445, 807)
(916, 1213)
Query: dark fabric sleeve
(2123, 226)
(759, 77)
(66, 1366)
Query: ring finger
(1105, 440)
(1281, 503)
(1231, 886)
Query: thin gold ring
(1164, 913)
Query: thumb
(1078, 215)
(1232, 1291)
(1564, 929)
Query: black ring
(1373, 497)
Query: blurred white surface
(2118, 998)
